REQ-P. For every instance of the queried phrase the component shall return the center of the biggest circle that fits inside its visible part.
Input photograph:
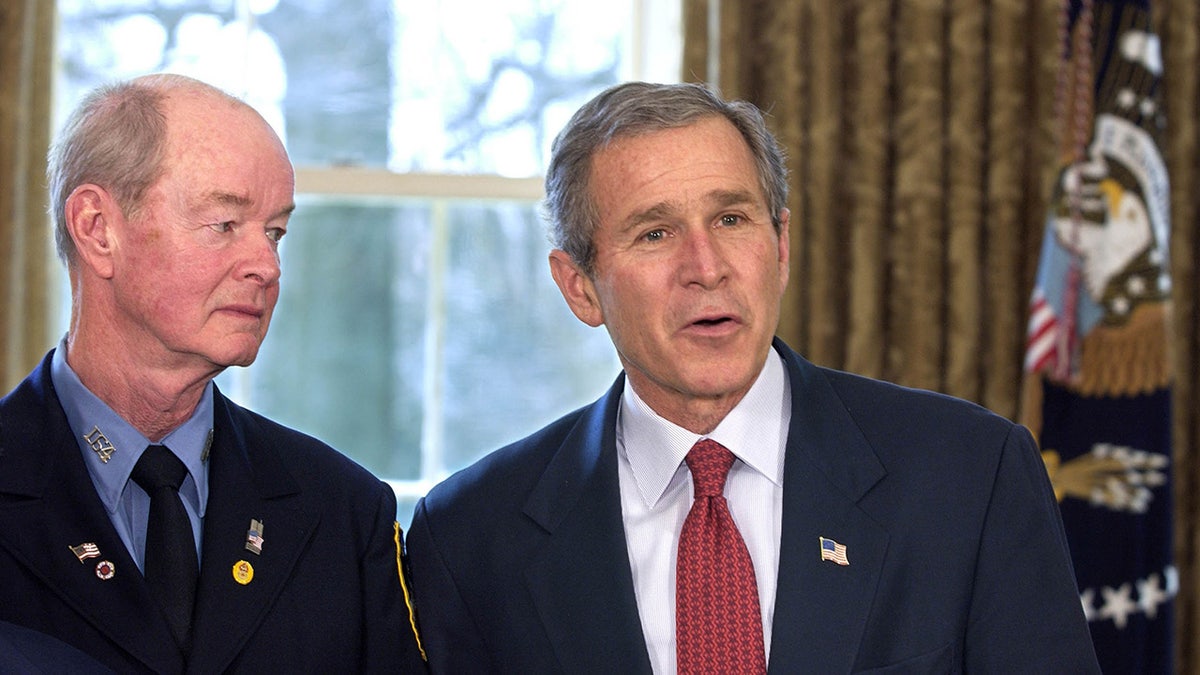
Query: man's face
(196, 274)
(689, 270)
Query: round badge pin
(243, 572)
(105, 570)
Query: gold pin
(243, 572)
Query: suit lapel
(821, 607)
(580, 579)
(48, 504)
(247, 480)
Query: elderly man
(146, 519)
(728, 507)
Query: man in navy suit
(169, 199)
(887, 529)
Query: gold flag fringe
(1127, 360)
(1115, 361)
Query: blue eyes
(273, 233)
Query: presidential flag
(1097, 382)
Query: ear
(576, 288)
(90, 214)
(784, 248)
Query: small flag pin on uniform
(254, 537)
(86, 550)
(833, 551)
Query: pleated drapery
(922, 139)
(26, 38)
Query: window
(418, 327)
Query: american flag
(1042, 338)
(833, 551)
(85, 551)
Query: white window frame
(370, 184)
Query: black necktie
(170, 566)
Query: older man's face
(197, 275)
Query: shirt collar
(96, 426)
(755, 431)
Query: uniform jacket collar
(48, 505)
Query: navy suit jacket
(958, 559)
(325, 596)
(27, 652)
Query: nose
(704, 262)
(260, 257)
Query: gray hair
(116, 139)
(631, 109)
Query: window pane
(490, 93)
(510, 337)
(407, 85)
(416, 335)
(343, 359)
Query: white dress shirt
(656, 495)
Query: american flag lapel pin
(85, 551)
(833, 551)
(254, 537)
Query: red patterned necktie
(718, 625)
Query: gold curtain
(26, 36)
(921, 137)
